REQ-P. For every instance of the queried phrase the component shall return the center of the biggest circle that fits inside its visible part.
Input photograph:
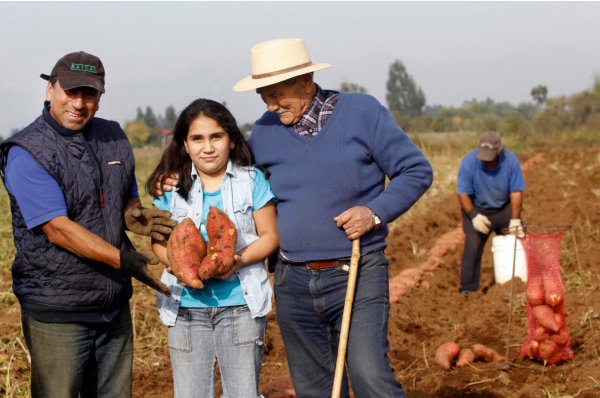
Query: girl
(226, 319)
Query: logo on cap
(83, 68)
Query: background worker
(352, 143)
(490, 193)
(70, 179)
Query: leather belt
(325, 264)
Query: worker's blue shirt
(490, 188)
(37, 192)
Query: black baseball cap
(78, 69)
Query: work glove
(481, 223)
(515, 227)
(136, 264)
(149, 222)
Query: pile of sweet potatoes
(191, 260)
(449, 352)
(548, 338)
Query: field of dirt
(563, 188)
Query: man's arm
(73, 237)
(516, 201)
(465, 203)
(78, 240)
(410, 173)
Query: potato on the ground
(465, 357)
(486, 353)
(446, 353)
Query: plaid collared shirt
(317, 114)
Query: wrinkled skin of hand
(150, 222)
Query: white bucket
(503, 252)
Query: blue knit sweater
(345, 165)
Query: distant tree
(170, 117)
(138, 132)
(140, 114)
(539, 94)
(150, 118)
(403, 96)
(349, 87)
(527, 109)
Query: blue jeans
(92, 359)
(310, 305)
(201, 336)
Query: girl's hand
(238, 264)
(166, 183)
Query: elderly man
(490, 193)
(70, 179)
(329, 154)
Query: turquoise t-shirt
(216, 292)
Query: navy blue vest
(95, 170)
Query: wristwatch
(377, 223)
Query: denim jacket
(236, 191)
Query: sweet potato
(545, 317)
(465, 357)
(486, 353)
(185, 250)
(540, 333)
(222, 237)
(558, 356)
(446, 353)
(547, 349)
(532, 350)
(560, 319)
(535, 291)
(554, 295)
(562, 337)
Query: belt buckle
(326, 264)
(319, 265)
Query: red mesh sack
(548, 337)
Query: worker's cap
(78, 69)
(490, 145)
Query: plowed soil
(563, 189)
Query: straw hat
(275, 61)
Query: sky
(169, 53)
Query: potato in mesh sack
(548, 336)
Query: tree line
(408, 104)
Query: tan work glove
(515, 227)
(481, 223)
(149, 222)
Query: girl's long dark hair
(175, 159)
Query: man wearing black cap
(70, 179)
(490, 193)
